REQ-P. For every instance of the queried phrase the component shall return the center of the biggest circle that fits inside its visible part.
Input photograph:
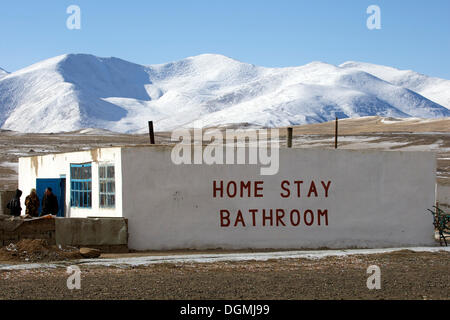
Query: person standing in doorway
(32, 204)
(49, 203)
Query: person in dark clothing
(32, 204)
(49, 203)
(14, 204)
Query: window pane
(110, 171)
(80, 185)
(107, 186)
(102, 200)
(111, 200)
(102, 172)
(111, 187)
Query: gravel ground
(404, 275)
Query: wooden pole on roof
(151, 132)
(336, 134)
(289, 137)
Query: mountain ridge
(3, 73)
(76, 91)
(420, 83)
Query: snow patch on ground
(97, 132)
(217, 257)
(10, 165)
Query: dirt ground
(36, 250)
(404, 275)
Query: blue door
(58, 188)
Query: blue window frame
(81, 185)
(107, 186)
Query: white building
(319, 198)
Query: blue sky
(414, 34)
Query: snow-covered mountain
(435, 89)
(3, 73)
(77, 91)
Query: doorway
(59, 190)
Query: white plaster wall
(55, 165)
(443, 196)
(377, 199)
